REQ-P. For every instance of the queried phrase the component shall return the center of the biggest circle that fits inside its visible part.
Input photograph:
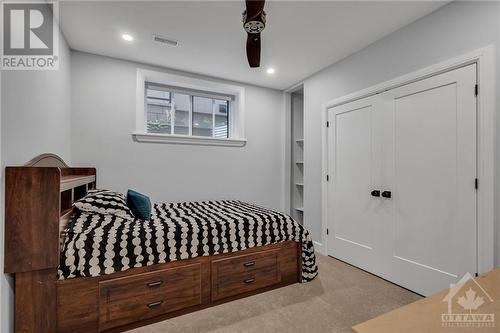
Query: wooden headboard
(38, 205)
(47, 160)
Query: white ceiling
(301, 37)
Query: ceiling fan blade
(254, 21)
(253, 50)
(254, 7)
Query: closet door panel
(352, 166)
(433, 195)
(425, 173)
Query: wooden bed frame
(38, 205)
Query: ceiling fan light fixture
(255, 24)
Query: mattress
(98, 244)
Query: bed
(112, 273)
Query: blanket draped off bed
(98, 244)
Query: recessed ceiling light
(127, 37)
(270, 71)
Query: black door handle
(386, 194)
(375, 193)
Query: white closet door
(353, 238)
(430, 170)
(417, 142)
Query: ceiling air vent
(165, 40)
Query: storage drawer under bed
(119, 301)
(130, 299)
(237, 275)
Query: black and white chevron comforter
(98, 244)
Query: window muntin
(182, 107)
(170, 110)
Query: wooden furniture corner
(38, 201)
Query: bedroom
(159, 97)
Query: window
(182, 109)
(170, 110)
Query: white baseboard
(318, 247)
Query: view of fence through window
(171, 112)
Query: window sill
(187, 140)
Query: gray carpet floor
(339, 298)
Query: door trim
(486, 69)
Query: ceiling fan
(254, 21)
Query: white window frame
(236, 118)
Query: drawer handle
(155, 284)
(249, 264)
(247, 281)
(154, 304)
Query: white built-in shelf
(300, 162)
(299, 184)
(300, 209)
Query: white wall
(35, 119)
(103, 106)
(36, 112)
(455, 29)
